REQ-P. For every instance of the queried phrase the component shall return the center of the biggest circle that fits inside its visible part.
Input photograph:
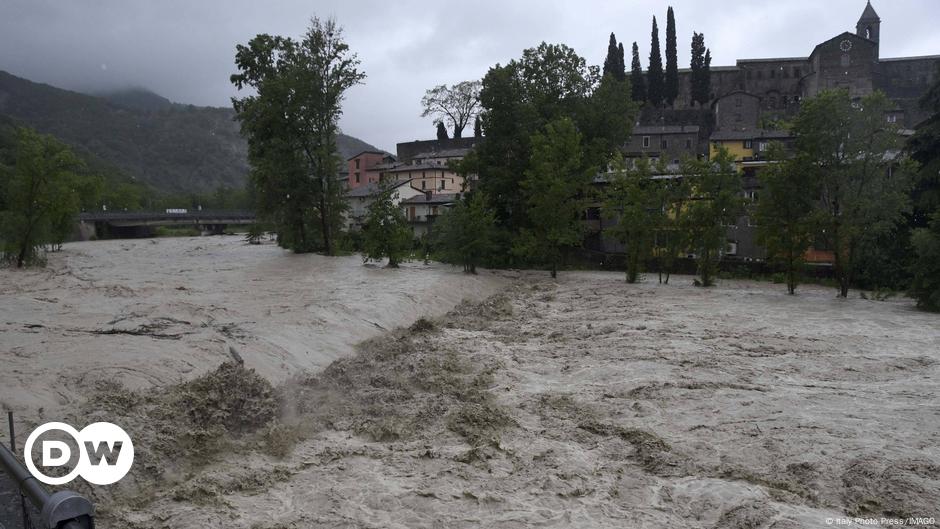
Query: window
(664, 144)
(796, 71)
(845, 61)
(646, 141)
(748, 144)
(773, 73)
(424, 174)
(732, 248)
(688, 144)
(424, 184)
(762, 146)
(737, 101)
(773, 102)
(357, 163)
(357, 173)
(892, 118)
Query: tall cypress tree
(636, 76)
(622, 66)
(654, 75)
(701, 74)
(671, 89)
(610, 63)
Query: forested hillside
(172, 148)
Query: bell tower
(869, 26)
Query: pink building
(363, 168)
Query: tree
(386, 232)
(612, 61)
(853, 153)
(554, 185)
(701, 70)
(632, 201)
(39, 197)
(547, 83)
(655, 89)
(466, 234)
(441, 131)
(671, 87)
(785, 212)
(637, 81)
(456, 104)
(673, 196)
(925, 287)
(715, 203)
(291, 123)
(621, 65)
(477, 127)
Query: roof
(368, 151)
(914, 58)
(444, 153)
(442, 198)
(737, 92)
(780, 59)
(843, 35)
(758, 134)
(372, 189)
(419, 167)
(869, 14)
(665, 129)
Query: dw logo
(105, 453)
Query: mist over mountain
(171, 147)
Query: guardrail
(58, 510)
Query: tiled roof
(442, 198)
(372, 189)
(666, 129)
(419, 167)
(721, 135)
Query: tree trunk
(325, 224)
(554, 270)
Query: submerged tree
(291, 123)
(633, 202)
(465, 235)
(554, 186)
(715, 203)
(386, 232)
(853, 153)
(39, 197)
(455, 105)
(785, 212)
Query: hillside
(171, 147)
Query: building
(850, 60)
(423, 209)
(670, 143)
(362, 196)
(365, 168)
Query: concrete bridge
(103, 224)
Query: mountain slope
(172, 147)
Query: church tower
(869, 26)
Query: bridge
(102, 224)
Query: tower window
(646, 141)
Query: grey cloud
(184, 50)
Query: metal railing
(58, 510)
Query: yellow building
(749, 147)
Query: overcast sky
(184, 49)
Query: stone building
(849, 60)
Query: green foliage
(40, 195)
(456, 105)
(715, 203)
(466, 234)
(291, 124)
(785, 213)
(655, 82)
(441, 131)
(701, 70)
(633, 200)
(671, 236)
(613, 63)
(554, 186)
(853, 155)
(925, 287)
(671, 81)
(549, 83)
(637, 80)
(386, 232)
(924, 147)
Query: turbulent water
(583, 402)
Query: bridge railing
(104, 216)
